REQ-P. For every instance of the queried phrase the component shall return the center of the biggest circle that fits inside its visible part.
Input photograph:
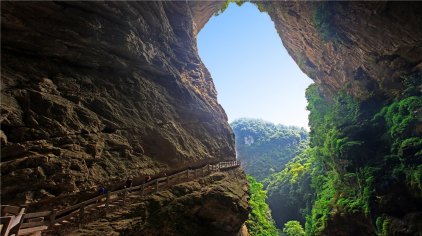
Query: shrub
(260, 221)
(293, 228)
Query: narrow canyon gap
(94, 91)
(254, 75)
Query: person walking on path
(102, 190)
(128, 182)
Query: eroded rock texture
(216, 205)
(94, 91)
(365, 48)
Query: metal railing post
(81, 213)
(124, 196)
(53, 218)
(207, 169)
(107, 204)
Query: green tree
(289, 191)
(363, 150)
(260, 222)
(264, 148)
(293, 228)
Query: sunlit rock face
(366, 48)
(95, 91)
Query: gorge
(92, 92)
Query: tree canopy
(264, 148)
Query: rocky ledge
(214, 205)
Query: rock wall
(215, 205)
(365, 48)
(371, 50)
(94, 91)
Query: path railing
(14, 220)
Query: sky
(254, 75)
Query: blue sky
(254, 75)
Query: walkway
(36, 222)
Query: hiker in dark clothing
(102, 190)
(129, 182)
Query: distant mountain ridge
(264, 147)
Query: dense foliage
(289, 191)
(361, 175)
(260, 222)
(365, 157)
(293, 228)
(226, 4)
(264, 148)
(363, 172)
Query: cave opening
(262, 90)
(87, 67)
(254, 75)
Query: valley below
(95, 93)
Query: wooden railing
(36, 222)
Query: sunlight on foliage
(289, 190)
(335, 186)
(226, 5)
(362, 157)
(264, 148)
(293, 228)
(357, 148)
(260, 222)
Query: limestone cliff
(366, 48)
(94, 91)
(372, 51)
